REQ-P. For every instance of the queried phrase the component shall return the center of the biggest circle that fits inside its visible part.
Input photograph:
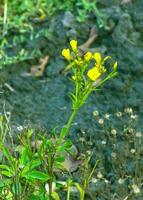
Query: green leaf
(29, 133)
(54, 132)
(68, 144)
(72, 97)
(6, 153)
(5, 182)
(5, 167)
(34, 174)
(55, 196)
(63, 132)
(79, 188)
(16, 188)
(24, 155)
(2, 183)
(60, 149)
(25, 170)
(34, 197)
(33, 164)
(58, 166)
(60, 159)
(6, 173)
(93, 170)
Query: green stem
(70, 121)
(84, 96)
(50, 172)
(65, 130)
(69, 190)
(83, 192)
(111, 75)
(5, 16)
(85, 179)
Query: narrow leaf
(6, 153)
(55, 196)
(6, 173)
(5, 167)
(34, 174)
(79, 188)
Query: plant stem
(69, 190)
(83, 194)
(5, 16)
(70, 121)
(65, 130)
(50, 171)
(85, 179)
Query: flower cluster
(87, 79)
(83, 62)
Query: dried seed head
(101, 121)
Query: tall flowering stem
(86, 79)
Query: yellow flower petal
(66, 54)
(73, 44)
(94, 73)
(88, 56)
(97, 57)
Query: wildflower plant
(31, 167)
(89, 73)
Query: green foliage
(85, 6)
(28, 166)
(22, 18)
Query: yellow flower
(97, 57)
(66, 54)
(94, 73)
(88, 56)
(99, 61)
(73, 44)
